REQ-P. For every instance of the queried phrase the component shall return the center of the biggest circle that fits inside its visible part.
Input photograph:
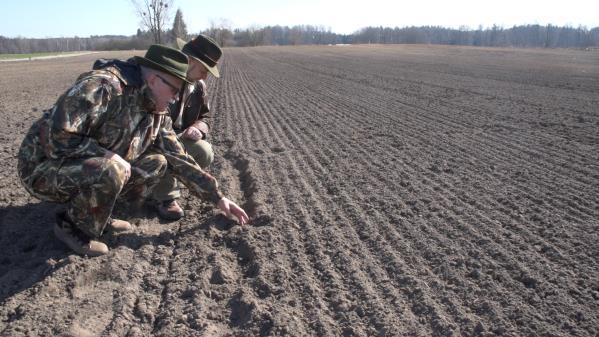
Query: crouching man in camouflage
(109, 137)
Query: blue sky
(30, 18)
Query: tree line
(534, 36)
(527, 36)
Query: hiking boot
(118, 226)
(170, 210)
(75, 239)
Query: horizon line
(468, 28)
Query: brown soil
(394, 191)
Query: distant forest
(528, 36)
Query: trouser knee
(147, 168)
(102, 181)
(146, 173)
(114, 173)
(201, 151)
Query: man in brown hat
(189, 114)
(108, 137)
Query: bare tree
(154, 15)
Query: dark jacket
(196, 108)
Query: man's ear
(151, 79)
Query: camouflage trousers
(91, 186)
(168, 187)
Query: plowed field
(394, 191)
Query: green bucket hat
(165, 59)
(203, 49)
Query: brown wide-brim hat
(165, 59)
(204, 50)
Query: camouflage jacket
(192, 106)
(111, 109)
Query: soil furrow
(318, 217)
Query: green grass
(24, 56)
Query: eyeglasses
(174, 89)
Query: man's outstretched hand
(231, 209)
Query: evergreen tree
(179, 28)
